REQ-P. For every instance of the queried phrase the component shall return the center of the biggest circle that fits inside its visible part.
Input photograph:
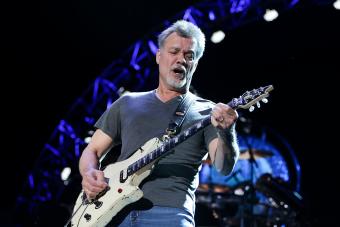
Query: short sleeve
(110, 122)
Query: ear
(158, 56)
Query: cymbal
(245, 154)
(213, 188)
(207, 161)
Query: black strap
(179, 114)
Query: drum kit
(250, 196)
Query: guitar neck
(172, 142)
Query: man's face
(177, 62)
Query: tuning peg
(251, 109)
(258, 104)
(264, 100)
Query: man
(135, 118)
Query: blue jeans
(158, 217)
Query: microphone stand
(247, 128)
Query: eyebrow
(177, 49)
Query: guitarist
(135, 118)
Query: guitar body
(120, 194)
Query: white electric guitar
(125, 176)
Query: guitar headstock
(250, 98)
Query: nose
(181, 59)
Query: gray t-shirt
(135, 118)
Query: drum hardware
(246, 154)
(250, 202)
(236, 200)
(215, 203)
(229, 206)
(278, 193)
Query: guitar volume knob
(87, 217)
(98, 204)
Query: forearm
(227, 150)
(88, 160)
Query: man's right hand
(93, 182)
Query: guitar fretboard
(172, 142)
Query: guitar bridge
(102, 193)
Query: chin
(177, 84)
(180, 86)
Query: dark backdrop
(55, 49)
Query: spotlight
(87, 140)
(65, 173)
(336, 4)
(270, 15)
(217, 36)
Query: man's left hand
(223, 116)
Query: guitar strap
(178, 117)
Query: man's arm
(224, 150)
(93, 179)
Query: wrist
(227, 135)
(226, 131)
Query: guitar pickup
(122, 179)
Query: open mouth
(179, 71)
